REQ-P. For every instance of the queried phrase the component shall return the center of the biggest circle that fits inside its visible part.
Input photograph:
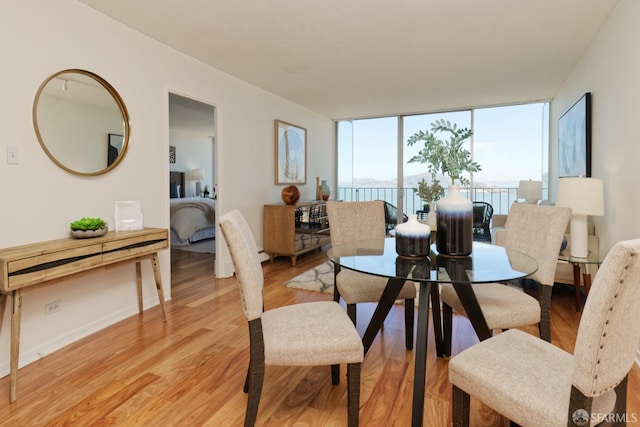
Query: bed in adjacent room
(192, 218)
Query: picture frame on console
(574, 140)
(290, 153)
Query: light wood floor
(190, 370)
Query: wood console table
(35, 265)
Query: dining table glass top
(487, 263)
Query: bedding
(192, 219)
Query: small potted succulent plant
(88, 227)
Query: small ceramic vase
(325, 190)
(413, 238)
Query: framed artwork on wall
(291, 153)
(574, 139)
(172, 154)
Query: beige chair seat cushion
(503, 306)
(524, 378)
(357, 287)
(310, 334)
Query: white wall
(39, 200)
(609, 69)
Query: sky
(510, 143)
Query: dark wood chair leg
(255, 390)
(409, 314)
(545, 312)
(246, 380)
(447, 328)
(353, 394)
(256, 371)
(351, 311)
(461, 406)
(336, 292)
(621, 403)
(578, 401)
(335, 374)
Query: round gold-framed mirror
(81, 122)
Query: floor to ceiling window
(509, 142)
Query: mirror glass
(81, 122)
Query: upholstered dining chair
(306, 334)
(534, 383)
(352, 221)
(535, 231)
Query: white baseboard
(28, 356)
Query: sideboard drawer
(141, 245)
(51, 265)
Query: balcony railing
(500, 198)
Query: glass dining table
(487, 264)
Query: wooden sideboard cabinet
(27, 267)
(292, 230)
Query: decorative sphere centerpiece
(413, 238)
(290, 195)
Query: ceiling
(363, 58)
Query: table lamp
(585, 197)
(530, 191)
(197, 175)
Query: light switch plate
(12, 155)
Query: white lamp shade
(196, 174)
(584, 196)
(530, 190)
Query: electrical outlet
(52, 307)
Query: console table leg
(15, 344)
(139, 286)
(3, 306)
(156, 273)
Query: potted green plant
(429, 192)
(448, 157)
(88, 227)
(445, 157)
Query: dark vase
(413, 239)
(454, 233)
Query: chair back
(353, 221)
(482, 213)
(244, 253)
(537, 231)
(610, 324)
(391, 216)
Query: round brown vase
(290, 195)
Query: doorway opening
(192, 181)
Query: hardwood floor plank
(92, 408)
(190, 370)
